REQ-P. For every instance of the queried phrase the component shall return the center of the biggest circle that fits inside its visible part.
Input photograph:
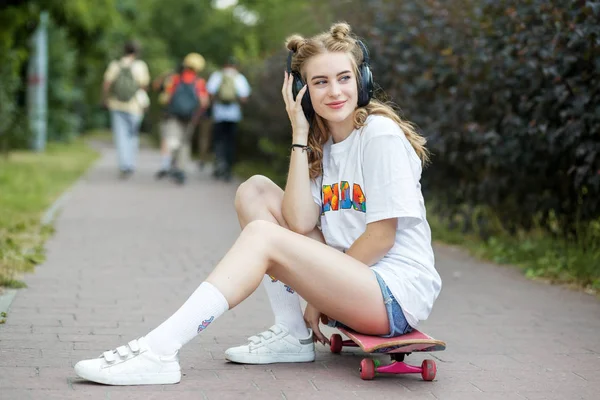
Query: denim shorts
(398, 324)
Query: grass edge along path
(29, 183)
(540, 256)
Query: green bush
(14, 32)
(63, 93)
(508, 94)
(14, 124)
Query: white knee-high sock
(205, 305)
(285, 303)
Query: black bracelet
(301, 146)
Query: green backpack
(227, 93)
(124, 86)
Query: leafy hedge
(507, 92)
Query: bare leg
(165, 152)
(260, 199)
(335, 283)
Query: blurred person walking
(187, 101)
(124, 94)
(158, 86)
(228, 88)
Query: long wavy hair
(340, 40)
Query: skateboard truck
(369, 367)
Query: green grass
(29, 184)
(541, 256)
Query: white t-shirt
(227, 112)
(374, 175)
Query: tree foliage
(85, 36)
(508, 93)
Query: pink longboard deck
(411, 342)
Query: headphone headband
(362, 46)
(289, 61)
(364, 51)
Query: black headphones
(365, 83)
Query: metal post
(37, 84)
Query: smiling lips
(336, 104)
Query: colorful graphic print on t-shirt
(332, 199)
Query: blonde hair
(339, 40)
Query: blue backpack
(184, 101)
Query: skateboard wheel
(367, 369)
(428, 370)
(335, 343)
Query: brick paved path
(127, 254)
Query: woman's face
(332, 84)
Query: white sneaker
(133, 364)
(276, 345)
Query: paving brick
(9, 376)
(479, 396)
(213, 394)
(383, 395)
(128, 395)
(321, 395)
(561, 395)
(126, 254)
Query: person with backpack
(124, 94)
(187, 102)
(228, 88)
(159, 87)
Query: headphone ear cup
(365, 91)
(297, 85)
(307, 107)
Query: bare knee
(262, 233)
(254, 192)
(249, 189)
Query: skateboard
(397, 347)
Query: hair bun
(340, 30)
(294, 42)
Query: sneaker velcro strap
(276, 329)
(123, 351)
(266, 335)
(134, 346)
(254, 339)
(109, 356)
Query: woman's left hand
(300, 126)
(312, 317)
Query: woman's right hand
(312, 316)
(294, 109)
